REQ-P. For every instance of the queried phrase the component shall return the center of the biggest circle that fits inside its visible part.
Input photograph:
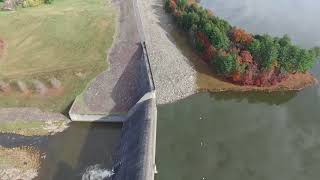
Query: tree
(306, 60)
(182, 4)
(224, 63)
(316, 51)
(189, 19)
(285, 41)
(170, 6)
(264, 50)
(208, 53)
(217, 38)
(241, 36)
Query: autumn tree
(240, 36)
(170, 6)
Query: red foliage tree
(236, 77)
(173, 5)
(208, 53)
(239, 35)
(246, 57)
(203, 38)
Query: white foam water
(96, 172)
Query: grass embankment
(33, 128)
(66, 40)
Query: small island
(250, 61)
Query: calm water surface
(247, 136)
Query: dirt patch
(19, 163)
(40, 87)
(32, 88)
(295, 82)
(4, 87)
(3, 49)
(23, 88)
(34, 127)
(55, 83)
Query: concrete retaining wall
(136, 152)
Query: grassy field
(67, 40)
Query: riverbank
(179, 72)
(19, 163)
(295, 82)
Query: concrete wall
(136, 152)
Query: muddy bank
(295, 82)
(19, 163)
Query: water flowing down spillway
(247, 136)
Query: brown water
(247, 136)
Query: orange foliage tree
(239, 35)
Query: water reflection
(277, 17)
(201, 137)
(247, 136)
(274, 98)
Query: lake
(247, 136)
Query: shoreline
(177, 69)
(295, 82)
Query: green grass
(58, 40)
(28, 128)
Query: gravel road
(174, 74)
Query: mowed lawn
(67, 40)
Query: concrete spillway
(131, 93)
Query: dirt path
(174, 74)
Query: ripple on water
(96, 172)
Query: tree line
(240, 56)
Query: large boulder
(10, 5)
